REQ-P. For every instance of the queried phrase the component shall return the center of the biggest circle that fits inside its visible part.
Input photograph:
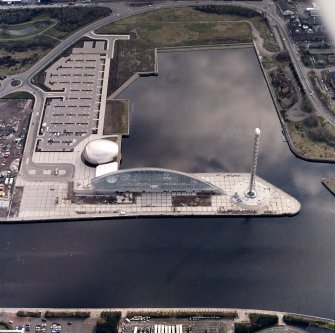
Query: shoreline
(328, 187)
(241, 312)
(89, 218)
(231, 201)
(186, 48)
(283, 123)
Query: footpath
(243, 314)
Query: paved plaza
(53, 200)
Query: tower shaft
(251, 192)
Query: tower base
(250, 194)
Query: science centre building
(151, 180)
(152, 191)
(102, 154)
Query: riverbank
(329, 183)
(195, 316)
(312, 151)
(53, 201)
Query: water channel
(197, 115)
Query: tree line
(70, 18)
(41, 42)
(108, 322)
(229, 9)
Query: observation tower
(251, 191)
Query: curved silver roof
(151, 180)
(100, 151)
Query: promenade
(189, 319)
(51, 200)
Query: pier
(51, 201)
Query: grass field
(24, 30)
(168, 28)
(323, 94)
(266, 33)
(24, 60)
(171, 27)
(19, 95)
(55, 33)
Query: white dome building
(100, 151)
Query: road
(302, 71)
(121, 10)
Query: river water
(198, 115)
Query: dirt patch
(296, 113)
(116, 118)
(15, 116)
(16, 201)
(94, 200)
(70, 192)
(330, 184)
(191, 200)
(3, 212)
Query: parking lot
(169, 324)
(41, 325)
(73, 112)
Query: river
(197, 115)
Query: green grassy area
(181, 26)
(55, 33)
(14, 32)
(313, 137)
(323, 94)
(20, 26)
(183, 313)
(108, 322)
(5, 326)
(67, 314)
(34, 314)
(19, 95)
(19, 58)
(266, 34)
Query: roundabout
(16, 83)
